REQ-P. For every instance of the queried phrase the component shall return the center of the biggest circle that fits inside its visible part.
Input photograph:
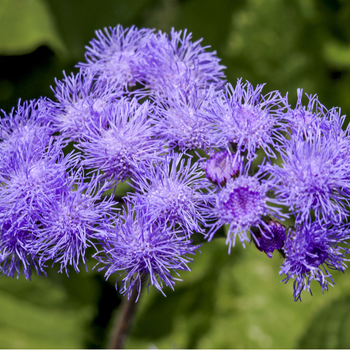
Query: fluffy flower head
(116, 54)
(314, 175)
(71, 223)
(246, 118)
(179, 119)
(127, 141)
(176, 63)
(27, 126)
(242, 204)
(310, 250)
(139, 248)
(172, 192)
(80, 106)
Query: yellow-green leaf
(26, 25)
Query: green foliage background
(234, 301)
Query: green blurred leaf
(229, 301)
(329, 328)
(82, 288)
(26, 25)
(180, 319)
(39, 314)
(337, 54)
(263, 44)
(78, 20)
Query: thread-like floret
(138, 248)
(172, 191)
(314, 176)
(241, 204)
(125, 143)
(246, 118)
(310, 250)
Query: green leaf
(329, 328)
(180, 319)
(337, 54)
(26, 25)
(229, 301)
(77, 20)
(40, 314)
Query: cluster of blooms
(155, 110)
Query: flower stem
(125, 318)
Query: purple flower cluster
(42, 197)
(304, 177)
(154, 110)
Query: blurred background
(235, 301)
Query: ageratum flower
(247, 119)
(314, 175)
(138, 247)
(17, 246)
(81, 101)
(311, 249)
(172, 191)
(303, 120)
(25, 126)
(116, 54)
(176, 63)
(71, 224)
(179, 119)
(30, 183)
(241, 204)
(127, 141)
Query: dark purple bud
(269, 237)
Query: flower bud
(269, 237)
